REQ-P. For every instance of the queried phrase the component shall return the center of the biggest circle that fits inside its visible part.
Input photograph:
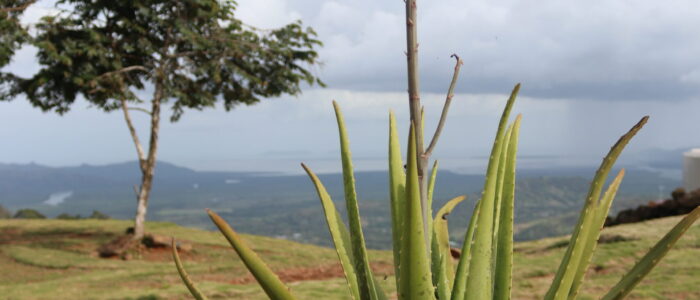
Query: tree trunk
(148, 167)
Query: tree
(186, 54)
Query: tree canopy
(193, 52)
(12, 36)
(13, 33)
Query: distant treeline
(34, 214)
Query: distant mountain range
(287, 206)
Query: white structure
(691, 170)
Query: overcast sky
(589, 69)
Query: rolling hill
(286, 206)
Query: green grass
(57, 259)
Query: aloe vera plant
(484, 270)
(423, 265)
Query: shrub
(28, 214)
(98, 215)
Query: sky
(589, 71)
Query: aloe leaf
(368, 290)
(564, 277)
(442, 235)
(647, 263)
(416, 279)
(397, 185)
(431, 184)
(460, 284)
(600, 213)
(480, 280)
(271, 284)
(499, 191)
(196, 293)
(443, 267)
(431, 189)
(339, 234)
(440, 280)
(504, 256)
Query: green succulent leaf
(563, 280)
(270, 283)
(647, 263)
(397, 193)
(499, 188)
(460, 285)
(599, 214)
(431, 189)
(368, 289)
(504, 238)
(443, 267)
(339, 234)
(196, 293)
(480, 280)
(416, 279)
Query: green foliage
(365, 280)
(5, 213)
(28, 214)
(12, 33)
(339, 234)
(96, 214)
(195, 52)
(12, 36)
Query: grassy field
(56, 259)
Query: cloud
(600, 50)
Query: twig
(446, 107)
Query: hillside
(41, 259)
(287, 205)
